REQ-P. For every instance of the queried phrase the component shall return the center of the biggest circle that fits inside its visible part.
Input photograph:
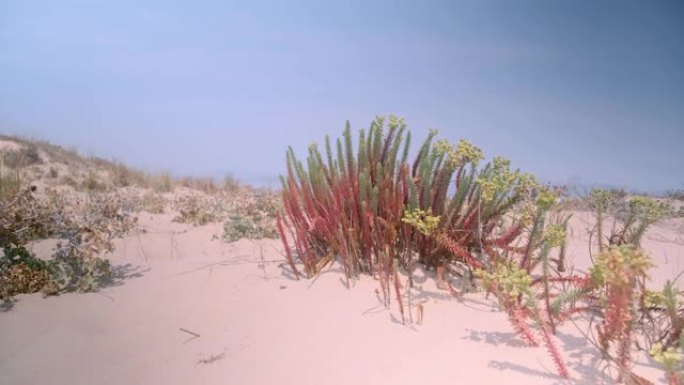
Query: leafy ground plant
(617, 272)
(85, 238)
(631, 217)
(525, 283)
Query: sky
(581, 92)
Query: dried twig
(195, 335)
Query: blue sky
(582, 91)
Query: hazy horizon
(583, 93)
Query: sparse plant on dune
(255, 227)
(352, 206)
(638, 215)
(375, 214)
(525, 283)
(660, 324)
(85, 236)
(247, 214)
(617, 272)
(149, 202)
(197, 210)
(602, 202)
(631, 217)
(253, 219)
(662, 316)
(19, 271)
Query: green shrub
(72, 270)
(251, 227)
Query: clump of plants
(19, 270)
(245, 214)
(255, 227)
(616, 272)
(660, 324)
(86, 237)
(85, 232)
(631, 217)
(252, 219)
(528, 282)
(376, 213)
(197, 210)
(150, 202)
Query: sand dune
(189, 309)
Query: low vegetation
(88, 202)
(85, 233)
(493, 228)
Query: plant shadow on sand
(495, 338)
(550, 375)
(588, 365)
(119, 275)
(7, 304)
(122, 273)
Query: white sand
(258, 326)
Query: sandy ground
(189, 309)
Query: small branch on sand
(195, 335)
(231, 262)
